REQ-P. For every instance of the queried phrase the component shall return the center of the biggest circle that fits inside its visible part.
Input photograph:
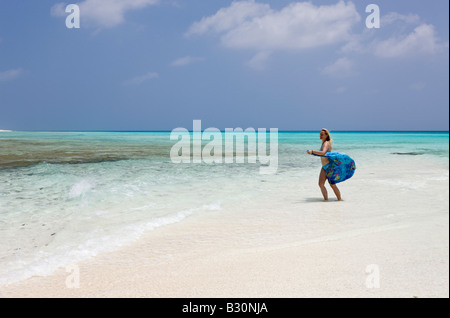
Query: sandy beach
(339, 250)
(330, 266)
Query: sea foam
(45, 262)
(80, 188)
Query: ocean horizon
(281, 131)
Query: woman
(326, 147)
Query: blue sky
(158, 65)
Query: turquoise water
(68, 196)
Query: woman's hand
(310, 152)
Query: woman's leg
(322, 180)
(336, 191)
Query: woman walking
(326, 165)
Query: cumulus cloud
(142, 78)
(248, 25)
(10, 75)
(103, 13)
(400, 36)
(183, 61)
(229, 18)
(300, 25)
(423, 40)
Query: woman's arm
(326, 148)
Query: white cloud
(343, 67)
(363, 41)
(300, 25)
(183, 61)
(142, 78)
(247, 25)
(103, 13)
(10, 75)
(228, 18)
(422, 40)
(400, 36)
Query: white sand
(412, 260)
(296, 246)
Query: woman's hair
(328, 134)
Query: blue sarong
(340, 168)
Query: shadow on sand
(317, 199)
